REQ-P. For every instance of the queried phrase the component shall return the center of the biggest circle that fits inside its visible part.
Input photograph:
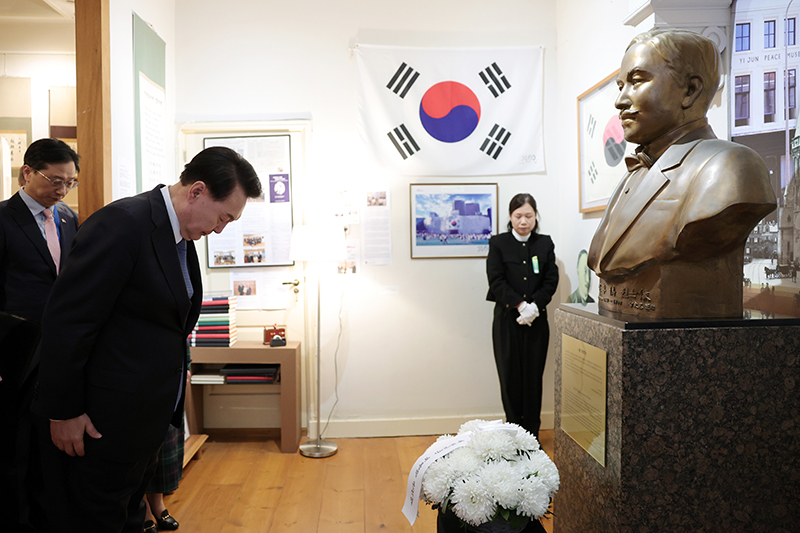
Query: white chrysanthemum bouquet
(499, 472)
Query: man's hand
(67, 435)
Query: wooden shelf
(288, 357)
(192, 448)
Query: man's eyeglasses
(58, 182)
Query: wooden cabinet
(255, 353)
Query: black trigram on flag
(402, 80)
(495, 141)
(494, 79)
(592, 171)
(403, 141)
(590, 125)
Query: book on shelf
(204, 326)
(208, 379)
(225, 305)
(213, 335)
(249, 379)
(228, 302)
(214, 316)
(211, 342)
(214, 309)
(250, 369)
(216, 322)
(214, 329)
(215, 297)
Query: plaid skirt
(169, 468)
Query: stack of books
(250, 373)
(208, 379)
(217, 323)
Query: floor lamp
(316, 244)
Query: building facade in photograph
(765, 60)
(764, 40)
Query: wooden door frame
(93, 92)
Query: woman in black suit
(522, 272)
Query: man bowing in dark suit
(36, 230)
(113, 352)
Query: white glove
(528, 312)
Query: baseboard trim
(400, 427)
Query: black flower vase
(448, 522)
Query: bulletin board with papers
(262, 236)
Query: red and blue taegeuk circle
(449, 111)
(614, 142)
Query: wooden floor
(249, 486)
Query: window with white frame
(743, 37)
(769, 34)
(742, 100)
(769, 97)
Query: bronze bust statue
(671, 243)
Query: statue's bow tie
(638, 160)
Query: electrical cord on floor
(335, 366)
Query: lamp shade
(318, 242)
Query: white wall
(43, 51)
(416, 352)
(160, 14)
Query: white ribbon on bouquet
(435, 451)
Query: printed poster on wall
(149, 108)
(262, 236)
(152, 128)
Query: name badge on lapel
(535, 263)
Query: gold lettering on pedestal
(630, 297)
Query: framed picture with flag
(452, 220)
(601, 144)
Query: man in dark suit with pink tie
(36, 230)
(113, 351)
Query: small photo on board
(226, 258)
(376, 199)
(254, 256)
(253, 240)
(245, 288)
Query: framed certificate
(601, 145)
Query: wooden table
(253, 352)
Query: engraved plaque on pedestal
(583, 408)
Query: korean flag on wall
(452, 111)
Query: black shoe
(165, 521)
(150, 527)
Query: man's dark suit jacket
(115, 329)
(27, 270)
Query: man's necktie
(184, 268)
(51, 234)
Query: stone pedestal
(702, 428)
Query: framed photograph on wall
(601, 145)
(452, 220)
